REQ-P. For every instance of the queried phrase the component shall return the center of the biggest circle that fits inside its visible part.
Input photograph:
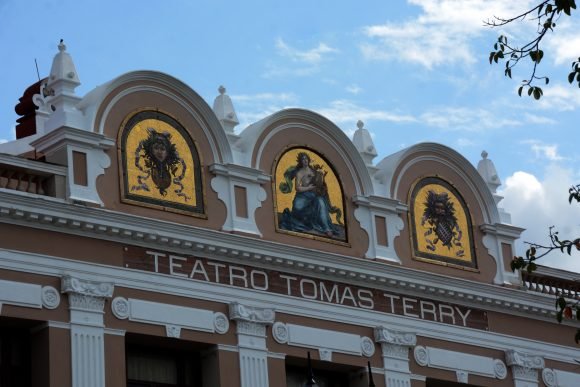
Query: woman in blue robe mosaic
(311, 208)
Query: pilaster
(251, 331)
(395, 346)
(86, 305)
(524, 367)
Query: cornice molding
(59, 216)
(184, 287)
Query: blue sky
(412, 71)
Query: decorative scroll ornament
(280, 332)
(221, 323)
(50, 297)
(325, 354)
(86, 287)
(121, 308)
(388, 336)
(249, 314)
(499, 369)
(173, 331)
(421, 355)
(367, 346)
(462, 376)
(549, 377)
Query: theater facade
(145, 241)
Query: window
(163, 364)
(14, 355)
(326, 374)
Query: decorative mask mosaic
(441, 224)
(308, 195)
(160, 165)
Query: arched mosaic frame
(159, 164)
(441, 225)
(286, 202)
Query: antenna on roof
(37, 73)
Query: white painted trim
(558, 378)
(326, 341)
(459, 361)
(133, 230)
(173, 317)
(182, 287)
(21, 294)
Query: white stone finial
(63, 74)
(224, 110)
(363, 142)
(487, 170)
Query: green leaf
(530, 90)
(559, 316)
(569, 248)
(547, 80)
(531, 267)
(537, 93)
(520, 94)
(578, 314)
(577, 337)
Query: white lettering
(156, 259)
(332, 297)
(174, 265)
(198, 268)
(407, 305)
(463, 316)
(370, 304)
(288, 279)
(243, 275)
(216, 266)
(428, 308)
(392, 299)
(314, 294)
(253, 274)
(449, 313)
(347, 295)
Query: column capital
(384, 335)
(86, 294)
(239, 312)
(524, 366)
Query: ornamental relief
(308, 196)
(159, 164)
(441, 224)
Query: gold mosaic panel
(442, 229)
(308, 196)
(160, 163)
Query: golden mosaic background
(139, 133)
(444, 251)
(287, 160)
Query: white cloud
(441, 34)
(560, 97)
(464, 142)
(565, 42)
(539, 120)
(312, 56)
(545, 151)
(307, 62)
(264, 97)
(538, 204)
(344, 111)
(3, 140)
(354, 89)
(466, 119)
